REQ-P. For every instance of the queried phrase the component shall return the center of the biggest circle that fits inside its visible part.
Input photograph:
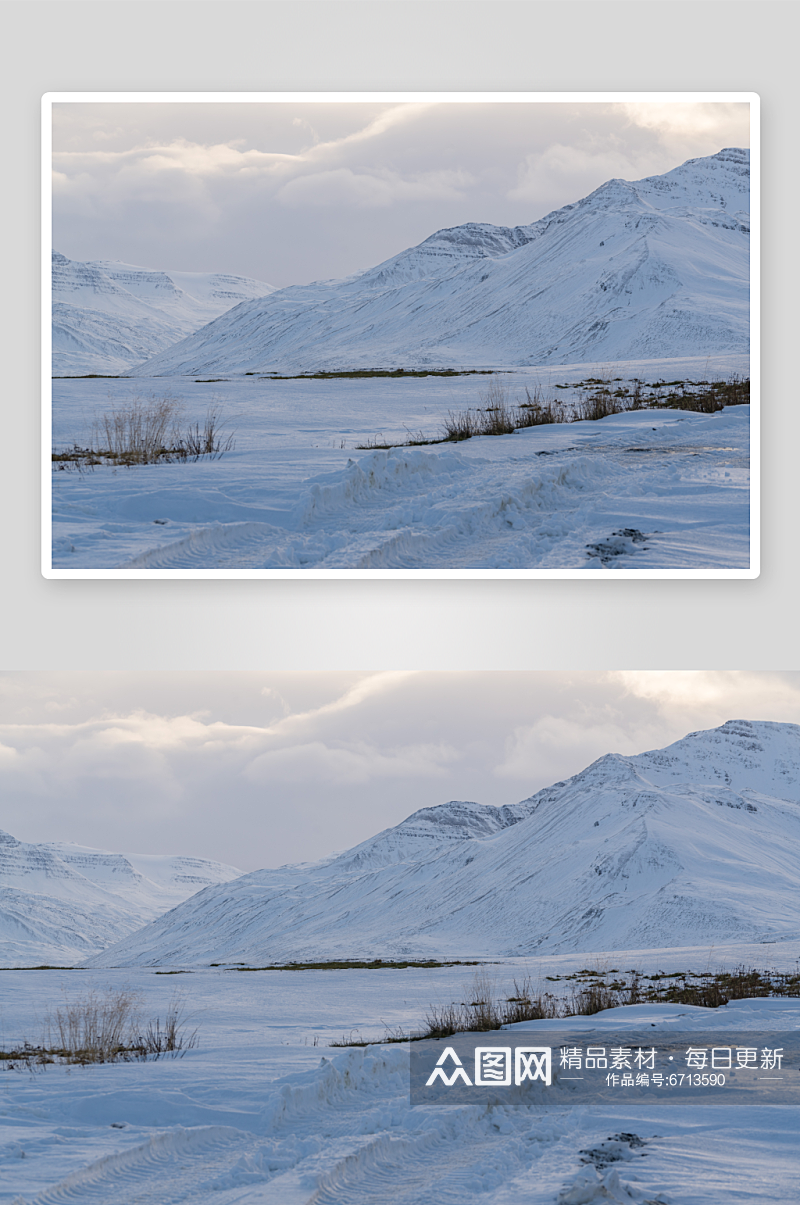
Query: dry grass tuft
(499, 415)
(104, 1027)
(591, 991)
(93, 1028)
(148, 431)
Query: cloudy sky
(257, 769)
(289, 193)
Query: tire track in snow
(222, 545)
(167, 1169)
(393, 514)
(462, 1157)
(343, 1134)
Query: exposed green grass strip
(368, 374)
(374, 964)
(43, 967)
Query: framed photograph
(378, 335)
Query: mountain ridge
(637, 269)
(692, 843)
(107, 315)
(61, 902)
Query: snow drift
(109, 316)
(256, 1117)
(694, 843)
(60, 902)
(657, 267)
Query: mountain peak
(641, 269)
(668, 848)
(747, 755)
(731, 154)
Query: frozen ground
(653, 491)
(257, 1114)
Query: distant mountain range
(60, 903)
(695, 843)
(109, 316)
(651, 268)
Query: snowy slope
(60, 902)
(694, 843)
(655, 267)
(108, 316)
(259, 1114)
(446, 251)
(424, 833)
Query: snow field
(646, 490)
(255, 1116)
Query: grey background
(380, 45)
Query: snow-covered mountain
(695, 843)
(422, 834)
(60, 903)
(651, 268)
(109, 316)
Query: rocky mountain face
(698, 842)
(109, 316)
(60, 902)
(641, 269)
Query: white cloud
(554, 742)
(230, 158)
(369, 190)
(191, 158)
(173, 753)
(274, 696)
(678, 120)
(291, 179)
(365, 689)
(575, 171)
(8, 756)
(316, 762)
(705, 698)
